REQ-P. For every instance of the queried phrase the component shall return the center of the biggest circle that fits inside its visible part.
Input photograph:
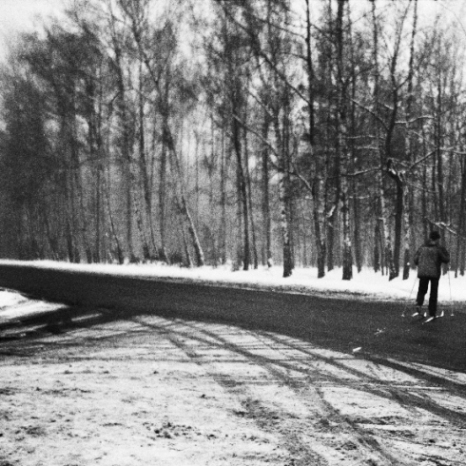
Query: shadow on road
(374, 329)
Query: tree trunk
(125, 147)
(116, 247)
(407, 202)
(150, 243)
(255, 258)
(241, 183)
(342, 139)
(162, 196)
(282, 129)
(439, 182)
(352, 162)
(384, 228)
(199, 253)
(318, 210)
(223, 203)
(266, 217)
(460, 241)
(285, 214)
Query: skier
(429, 259)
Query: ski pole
(409, 299)
(449, 284)
(412, 288)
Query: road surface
(173, 373)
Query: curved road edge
(373, 329)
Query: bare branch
(368, 110)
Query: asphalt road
(374, 329)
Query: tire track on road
(336, 438)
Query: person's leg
(423, 286)
(433, 296)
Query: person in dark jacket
(429, 259)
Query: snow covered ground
(9, 299)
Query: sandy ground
(146, 390)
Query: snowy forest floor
(140, 389)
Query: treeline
(318, 132)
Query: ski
(429, 319)
(423, 315)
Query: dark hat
(434, 235)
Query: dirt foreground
(147, 390)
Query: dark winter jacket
(429, 259)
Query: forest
(323, 133)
